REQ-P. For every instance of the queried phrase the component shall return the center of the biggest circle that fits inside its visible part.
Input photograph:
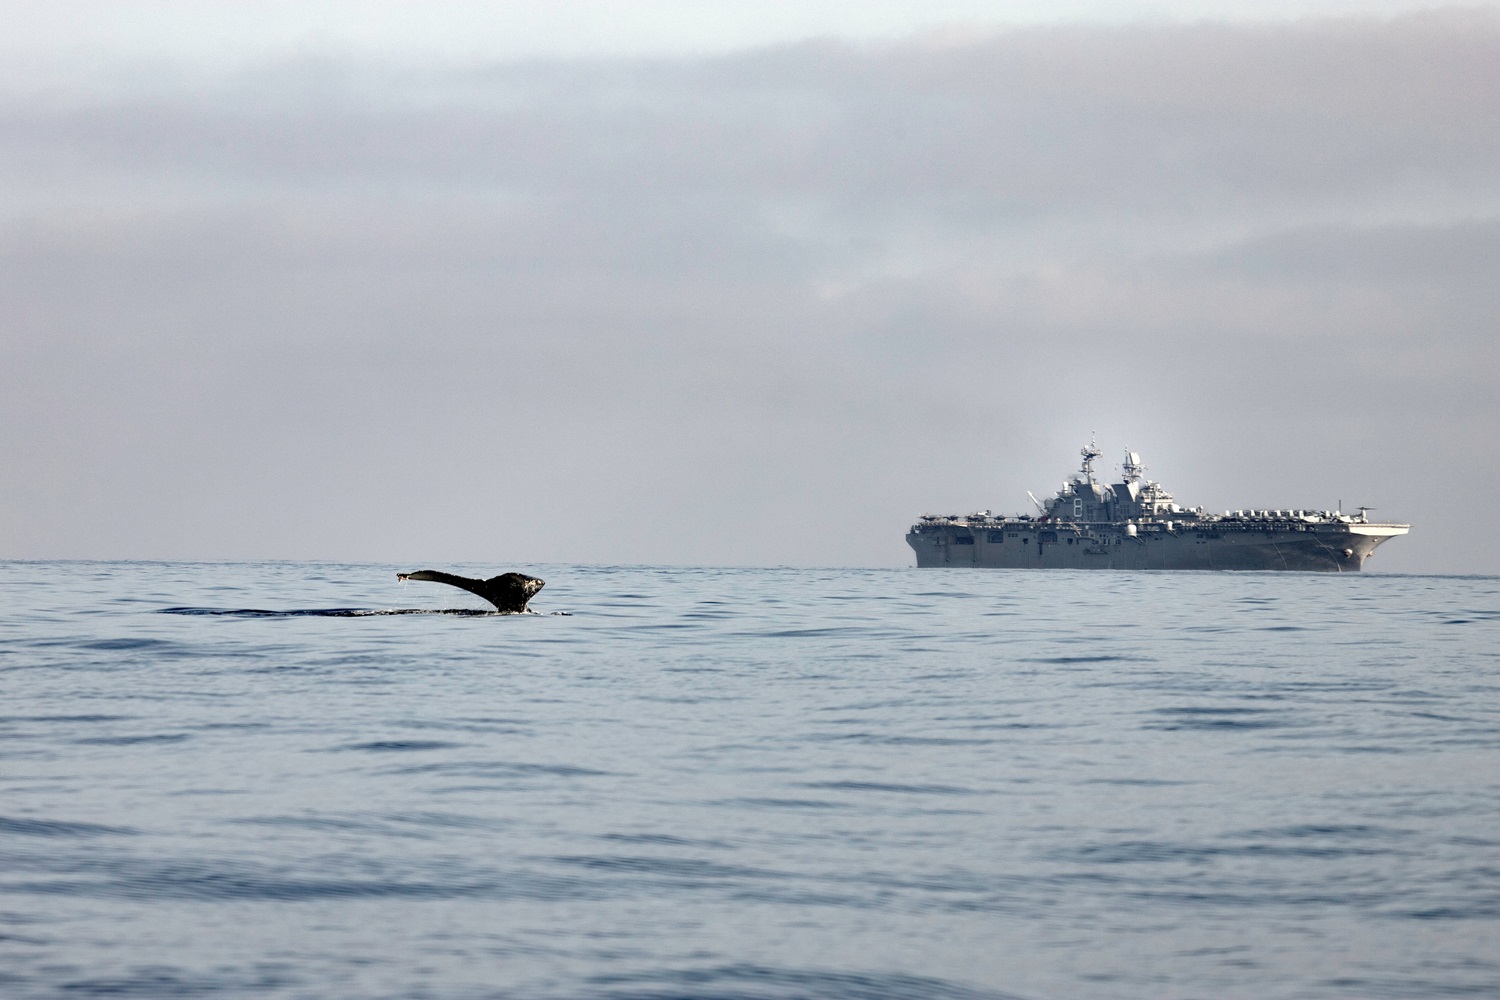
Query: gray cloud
(756, 308)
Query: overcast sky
(528, 283)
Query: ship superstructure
(1137, 524)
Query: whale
(508, 592)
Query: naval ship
(1134, 524)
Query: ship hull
(1315, 548)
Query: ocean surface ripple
(300, 780)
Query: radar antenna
(1133, 466)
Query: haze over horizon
(746, 287)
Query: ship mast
(1090, 452)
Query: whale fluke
(508, 592)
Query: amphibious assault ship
(1135, 524)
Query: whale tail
(508, 592)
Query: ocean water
(218, 781)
